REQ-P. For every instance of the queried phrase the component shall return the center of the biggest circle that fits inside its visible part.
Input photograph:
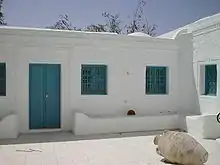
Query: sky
(167, 14)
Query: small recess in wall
(131, 112)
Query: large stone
(180, 148)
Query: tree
(96, 28)
(63, 23)
(113, 22)
(2, 20)
(139, 22)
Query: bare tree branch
(96, 28)
(2, 20)
(63, 23)
(140, 22)
(112, 22)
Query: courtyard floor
(66, 149)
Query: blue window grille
(94, 80)
(156, 82)
(210, 80)
(2, 79)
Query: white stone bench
(204, 126)
(85, 125)
(9, 127)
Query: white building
(86, 82)
(206, 44)
(206, 64)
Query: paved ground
(65, 149)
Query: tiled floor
(65, 149)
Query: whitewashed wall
(126, 77)
(126, 58)
(188, 96)
(206, 48)
(85, 125)
(206, 51)
(18, 79)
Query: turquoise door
(44, 96)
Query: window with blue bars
(2, 79)
(210, 80)
(94, 80)
(156, 82)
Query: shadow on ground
(68, 136)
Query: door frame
(60, 98)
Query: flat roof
(68, 34)
(52, 30)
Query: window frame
(204, 90)
(3, 79)
(104, 78)
(155, 79)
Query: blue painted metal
(44, 96)
(2, 79)
(36, 93)
(210, 80)
(156, 80)
(94, 80)
(52, 110)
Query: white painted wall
(9, 127)
(188, 97)
(203, 126)
(85, 125)
(126, 78)
(17, 70)
(126, 57)
(206, 51)
(206, 48)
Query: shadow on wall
(5, 112)
(195, 92)
(197, 110)
(188, 96)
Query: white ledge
(85, 125)
(9, 127)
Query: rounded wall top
(179, 33)
(139, 34)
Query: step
(203, 126)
